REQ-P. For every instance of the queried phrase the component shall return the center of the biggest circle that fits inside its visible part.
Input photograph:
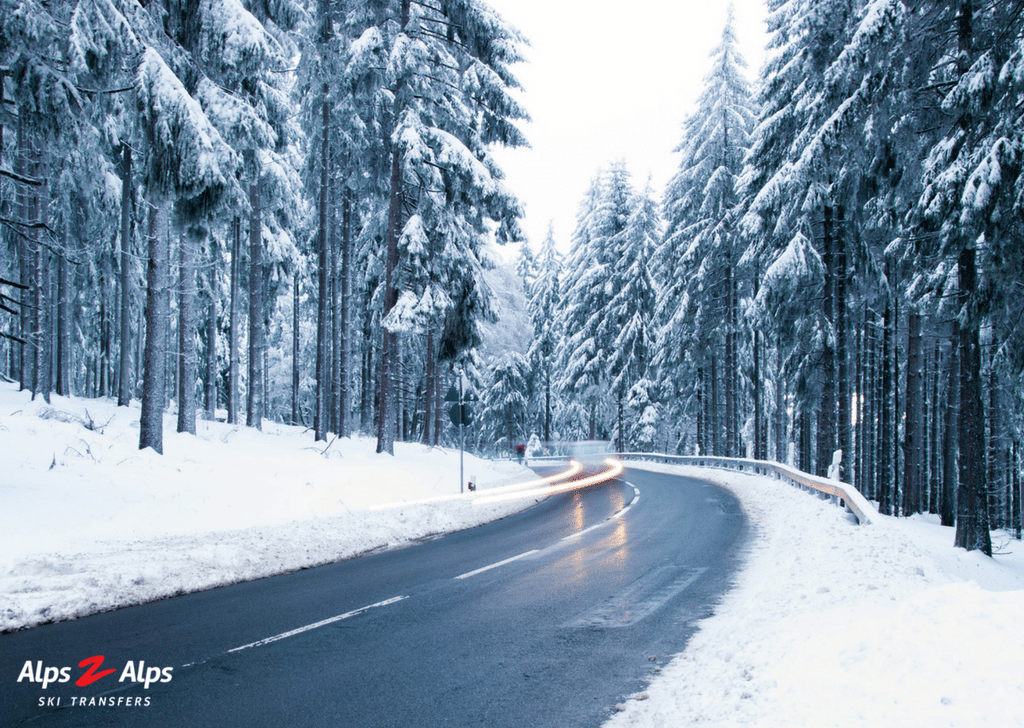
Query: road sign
(452, 396)
(460, 414)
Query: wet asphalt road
(555, 637)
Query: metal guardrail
(841, 494)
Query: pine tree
(699, 256)
(545, 299)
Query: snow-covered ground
(829, 624)
(834, 624)
(88, 522)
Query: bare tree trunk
(886, 466)
(256, 406)
(913, 429)
(334, 409)
(386, 423)
(827, 409)
(934, 474)
(25, 253)
(65, 296)
(713, 412)
(157, 315)
(431, 377)
(234, 333)
(210, 397)
(42, 379)
(295, 348)
(189, 242)
(438, 407)
(322, 330)
(950, 433)
(781, 440)
(125, 382)
(345, 363)
(972, 523)
(845, 427)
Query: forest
(285, 209)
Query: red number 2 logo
(91, 675)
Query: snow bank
(88, 522)
(833, 624)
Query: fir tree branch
(12, 337)
(19, 178)
(6, 282)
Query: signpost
(461, 415)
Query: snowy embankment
(834, 624)
(89, 523)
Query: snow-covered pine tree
(545, 297)
(585, 342)
(631, 313)
(526, 265)
(504, 404)
(188, 164)
(448, 77)
(241, 54)
(698, 257)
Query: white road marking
(322, 623)
(495, 566)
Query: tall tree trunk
(42, 379)
(189, 242)
(827, 410)
(781, 454)
(702, 429)
(65, 297)
(295, 348)
(334, 403)
(760, 429)
(125, 381)
(994, 451)
(157, 317)
(386, 423)
(972, 523)
(950, 433)
(255, 410)
(713, 411)
(345, 363)
(935, 464)
(210, 397)
(438, 407)
(234, 326)
(845, 426)
(913, 437)
(731, 410)
(547, 403)
(322, 329)
(386, 420)
(887, 435)
(25, 253)
(431, 377)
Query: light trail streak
(574, 467)
(614, 471)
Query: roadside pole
(462, 437)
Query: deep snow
(88, 522)
(835, 624)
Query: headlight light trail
(615, 469)
(574, 467)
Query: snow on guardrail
(840, 493)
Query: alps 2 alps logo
(49, 674)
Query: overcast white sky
(610, 80)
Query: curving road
(547, 618)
